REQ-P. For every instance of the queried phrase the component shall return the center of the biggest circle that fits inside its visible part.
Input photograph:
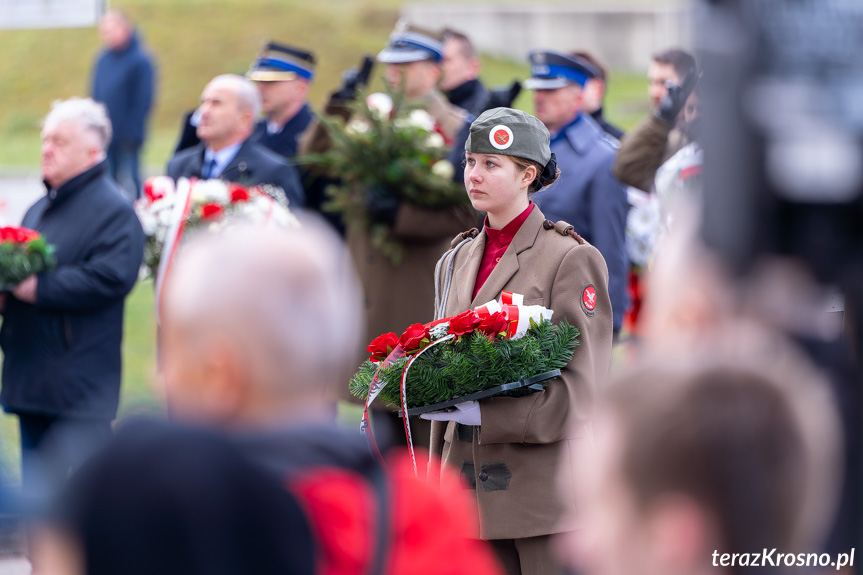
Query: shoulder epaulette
(564, 229)
(459, 238)
(615, 143)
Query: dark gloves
(503, 97)
(673, 102)
(382, 206)
(354, 79)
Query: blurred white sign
(26, 14)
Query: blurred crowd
(710, 433)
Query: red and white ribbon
(172, 240)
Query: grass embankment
(194, 40)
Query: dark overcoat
(62, 355)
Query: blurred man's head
(229, 106)
(259, 326)
(668, 66)
(594, 88)
(75, 134)
(727, 453)
(115, 30)
(417, 78)
(282, 74)
(413, 59)
(558, 83)
(460, 61)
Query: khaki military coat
(397, 296)
(519, 462)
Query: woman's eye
(490, 164)
(470, 161)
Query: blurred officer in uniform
(587, 195)
(398, 295)
(283, 75)
(413, 59)
(594, 92)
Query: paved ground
(18, 190)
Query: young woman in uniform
(517, 453)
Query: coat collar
(75, 184)
(581, 135)
(506, 267)
(292, 128)
(237, 169)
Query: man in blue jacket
(123, 80)
(62, 329)
(586, 195)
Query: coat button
(497, 259)
(483, 475)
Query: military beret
(550, 71)
(277, 62)
(410, 43)
(510, 133)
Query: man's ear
(435, 72)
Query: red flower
(238, 193)
(25, 235)
(211, 211)
(382, 346)
(465, 322)
(415, 337)
(18, 235)
(493, 324)
(150, 191)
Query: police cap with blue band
(410, 43)
(550, 71)
(277, 62)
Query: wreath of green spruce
(472, 363)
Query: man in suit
(229, 106)
(587, 195)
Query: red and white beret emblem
(500, 137)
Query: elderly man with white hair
(229, 108)
(62, 329)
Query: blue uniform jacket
(62, 355)
(286, 142)
(587, 196)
